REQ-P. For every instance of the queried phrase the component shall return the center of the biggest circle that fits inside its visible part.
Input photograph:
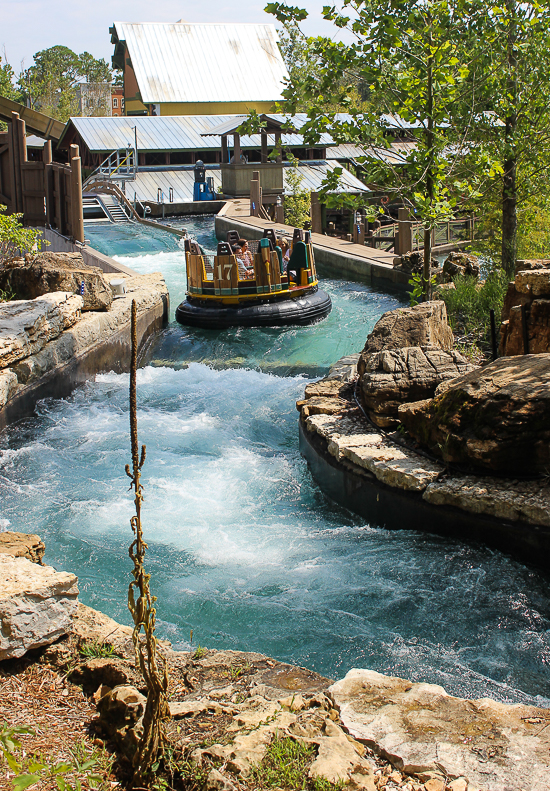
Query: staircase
(114, 209)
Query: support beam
(264, 146)
(77, 212)
(236, 148)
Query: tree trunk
(426, 272)
(509, 187)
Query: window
(115, 102)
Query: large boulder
(395, 376)
(22, 545)
(496, 417)
(36, 605)
(48, 272)
(27, 326)
(422, 325)
(530, 289)
(429, 733)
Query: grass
(200, 652)
(468, 306)
(285, 765)
(93, 650)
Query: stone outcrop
(22, 545)
(458, 263)
(428, 733)
(49, 272)
(36, 605)
(530, 290)
(26, 327)
(92, 328)
(496, 417)
(395, 376)
(412, 263)
(423, 325)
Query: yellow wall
(214, 108)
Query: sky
(28, 26)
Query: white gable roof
(187, 62)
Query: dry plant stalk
(149, 660)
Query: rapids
(244, 549)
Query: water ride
(255, 289)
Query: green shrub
(298, 205)
(14, 239)
(469, 303)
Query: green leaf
(24, 781)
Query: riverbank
(48, 346)
(229, 709)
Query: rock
(8, 385)
(413, 263)
(496, 417)
(460, 264)
(36, 605)
(538, 329)
(22, 545)
(217, 782)
(121, 709)
(338, 757)
(533, 282)
(49, 272)
(435, 784)
(321, 405)
(525, 501)
(523, 265)
(110, 671)
(27, 326)
(395, 376)
(460, 784)
(344, 369)
(92, 626)
(423, 325)
(423, 729)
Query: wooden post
(280, 212)
(316, 214)
(225, 156)
(278, 146)
(405, 236)
(14, 143)
(236, 148)
(47, 153)
(77, 212)
(255, 196)
(361, 234)
(264, 146)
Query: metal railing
(120, 165)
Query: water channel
(244, 548)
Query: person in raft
(282, 242)
(245, 272)
(247, 255)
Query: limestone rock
(423, 729)
(460, 264)
(108, 671)
(36, 605)
(523, 265)
(535, 282)
(395, 376)
(413, 263)
(92, 626)
(217, 782)
(27, 326)
(48, 272)
(526, 501)
(338, 757)
(423, 325)
(496, 417)
(8, 385)
(121, 709)
(321, 405)
(344, 369)
(22, 545)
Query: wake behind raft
(221, 294)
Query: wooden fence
(46, 193)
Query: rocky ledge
(366, 732)
(43, 334)
(447, 449)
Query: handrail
(110, 188)
(107, 168)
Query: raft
(221, 293)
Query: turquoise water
(243, 546)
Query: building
(198, 69)
(117, 100)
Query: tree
(516, 55)
(414, 56)
(7, 77)
(50, 84)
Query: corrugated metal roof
(185, 62)
(103, 134)
(352, 151)
(181, 180)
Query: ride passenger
(247, 255)
(244, 270)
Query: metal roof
(391, 155)
(103, 134)
(189, 62)
(181, 180)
